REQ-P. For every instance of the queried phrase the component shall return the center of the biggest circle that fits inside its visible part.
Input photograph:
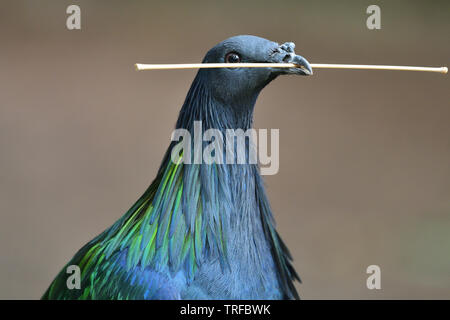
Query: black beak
(285, 54)
(303, 69)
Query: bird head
(248, 82)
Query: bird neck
(202, 105)
(237, 188)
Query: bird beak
(303, 66)
(286, 54)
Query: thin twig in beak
(140, 66)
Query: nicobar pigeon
(200, 231)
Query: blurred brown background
(364, 164)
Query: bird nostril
(287, 58)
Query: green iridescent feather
(160, 231)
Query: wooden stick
(379, 67)
(140, 66)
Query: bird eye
(232, 57)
